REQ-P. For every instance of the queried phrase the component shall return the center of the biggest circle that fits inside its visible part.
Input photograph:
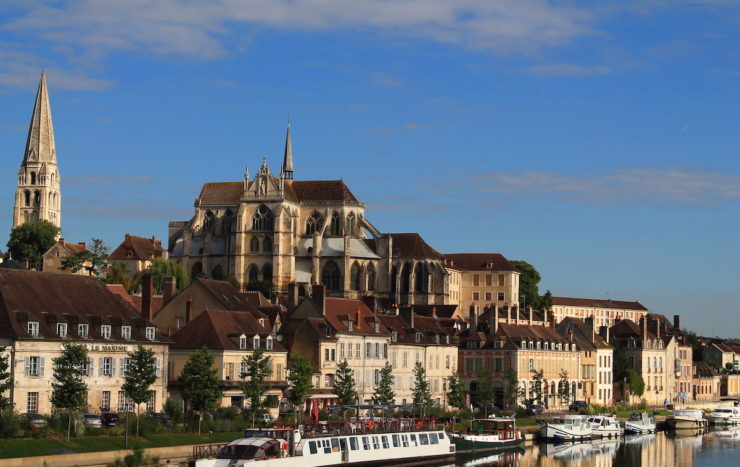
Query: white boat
(384, 444)
(566, 428)
(639, 423)
(685, 419)
(488, 434)
(605, 426)
(725, 416)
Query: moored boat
(686, 419)
(725, 416)
(604, 426)
(566, 428)
(488, 434)
(639, 423)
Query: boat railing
(206, 451)
(370, 426)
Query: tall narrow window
(331, 276)
(62, 329)
(370, 277)
(252, 273)
(354, 278)
(336, 223)
(254, 245)
(314, 223)
(263, 219)
(33, 328)
(350, 224)
(267, 245)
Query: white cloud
(567, 69)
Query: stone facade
(605, 312)
(54, 256)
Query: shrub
(11, 424)
(642, 405)
(137, 458)
(173, 409)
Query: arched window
(263, 219)
(354, 277)
(394, 279)
(314, 223)
(405, 278)
(267, 245)
(36, 198)
(51, 200)
(33, 178)
(254, 245)
(330, 276)
(267, 272)
(27, 197)
(196, 270)
(350, 224)
(370, 277)
(252, 273)
(335, 224)
(52, 179)
(208, 221)
(218, 273)
(420, 283)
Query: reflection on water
(716, 447)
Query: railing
(362, 427)
(207, 450)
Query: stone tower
(38, 196)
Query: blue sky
(595, 140)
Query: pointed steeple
(40, 143)
(288, 156)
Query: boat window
(385, 442)
(343, 444)
(327, 446)
(405, 441)
(433, 438)
(441, 435)
(365, 443)
(335, 445)
(376, 443)
(353, 444)
(396, 441)
(312, 447)
(423, 439)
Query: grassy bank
(51, 446)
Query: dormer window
(547, 346)
(567, 347)
(242, 342)
(126, 332)
(349, 325)
(436, 338)
(105, 331)
(151, 331)
(531, 345)
(417, 337)
(394, 336)
(377, 327)
(62, 329)
(256, 342)
(539, 345)
(33, 328)
(447, 339)
(262, 321)
(268, 343)
(82, 330)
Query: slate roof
(596, 303)
(480, 261)
(233, 300)
(157, 301)
(141, 248)
(221, 329)
(581, 334)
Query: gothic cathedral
(38, 196)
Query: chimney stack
(590, 326)
(189, 310)
(677, 322)
(529, 309)
(358, 315)
(292, 295)
(319, 297)
(516, 315)
(544, 316)
(407, 314)
(508, 315)
(643, 330)
(473, 318)
(658, 323)
(604, 333)
(147, 287)
(169, 289)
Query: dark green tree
(538, 381)
(6, 379)
(564, 386)
(200, 383)
(31, 240)
(140, 375)
(299, 380)
(96, 256)
(515, 391)
(344, 384)
(256, 370)
(455, 391)
(635, 383)
(161, 268)
(118, 273)
(486, 391)
(68, 389)
(546, 301)
(421, 393)
(265, 287)
(384, 394)
(528, 283)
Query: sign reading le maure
(107, 348)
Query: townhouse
(597, 358)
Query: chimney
(189, 310)
(529, 309)
(407, 315)
(643, 330)
(169, 289)
(147, 287)
(544, 316)
(358, 315)
(473, 319)
(604, 333)
(552, 321)
(434, 311)
(495, 320)
(658, 323)
(590, 326)
(516, 315)
(570, 334)
(508, 315)
(292, 295)
(318, 295)
(677, 322)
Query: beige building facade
(54, 257)
(605, 312)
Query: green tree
(538, 381)
(161, 268)
(486, 391)
(200, 383)
(421, 393)
(564, 386)
(299, 380)
(6, 379)
(140, 375)
(515, 391)
(68, 389)
(265, 287)
(384, 394)
(256, 370)
(31, 240)
(118, 273)
(635, 382)
(528, 283)
(455, 391)
(546, 301)
(344, 384)
(97, 256)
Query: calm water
(712, 448)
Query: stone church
(38, 196)
(275, 228)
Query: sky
(596, 140)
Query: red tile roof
(140, 248)
(596, 303)
(221, 329)
(480, 261)
(336, 307)
(321, 190)
(135, 300)
(221, 193)
(233, 300)
(411, 245)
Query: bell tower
(38, 196)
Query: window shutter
(41, 366)
(158, 367)
(27, 366)
(123, 368)
(112, 366)
(100, 366)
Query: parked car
(162, 418)
(536, 409)
(35, 420)
(109, 419)
(93, 420)
(576, 406)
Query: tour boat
(686, 418)
(487, 434)
(382, 443)
(639, 423)
(605, 426)
(566, 428)
(725, 416)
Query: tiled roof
(220, 330)
(231, 299)
(157, 301)
(221, 193)
(596, 303)
(518, 332)
(49, 298)
(411, 245)
(479, 261)
(321, 190)
(140, 247)
(581, 334)
(335, 307)
(704, 370)
(724, 348)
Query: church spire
(40, 143)
(288, 156)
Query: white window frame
(242, 342)
(268, 343)
(33, 328)
(151, 332)
(105, 331)
(256, 342)
(82, 330)
(32, 402)
(62, 329)
(126, 332)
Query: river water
(687, 448)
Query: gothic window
(314, 223)
(370, 277)
(354, 277)
(252, 273)
(267, 272)
(330, 276)
(335, 224)
(254, 245)
(263, 219)
(406, 278)
(208, 221)
(51, 200)
(27, 198)
(196, 270)
(350, 224)
(394, 278)
(36, 198)
(267, 245)
(52, 179)
(420, 278)
(33, 178)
